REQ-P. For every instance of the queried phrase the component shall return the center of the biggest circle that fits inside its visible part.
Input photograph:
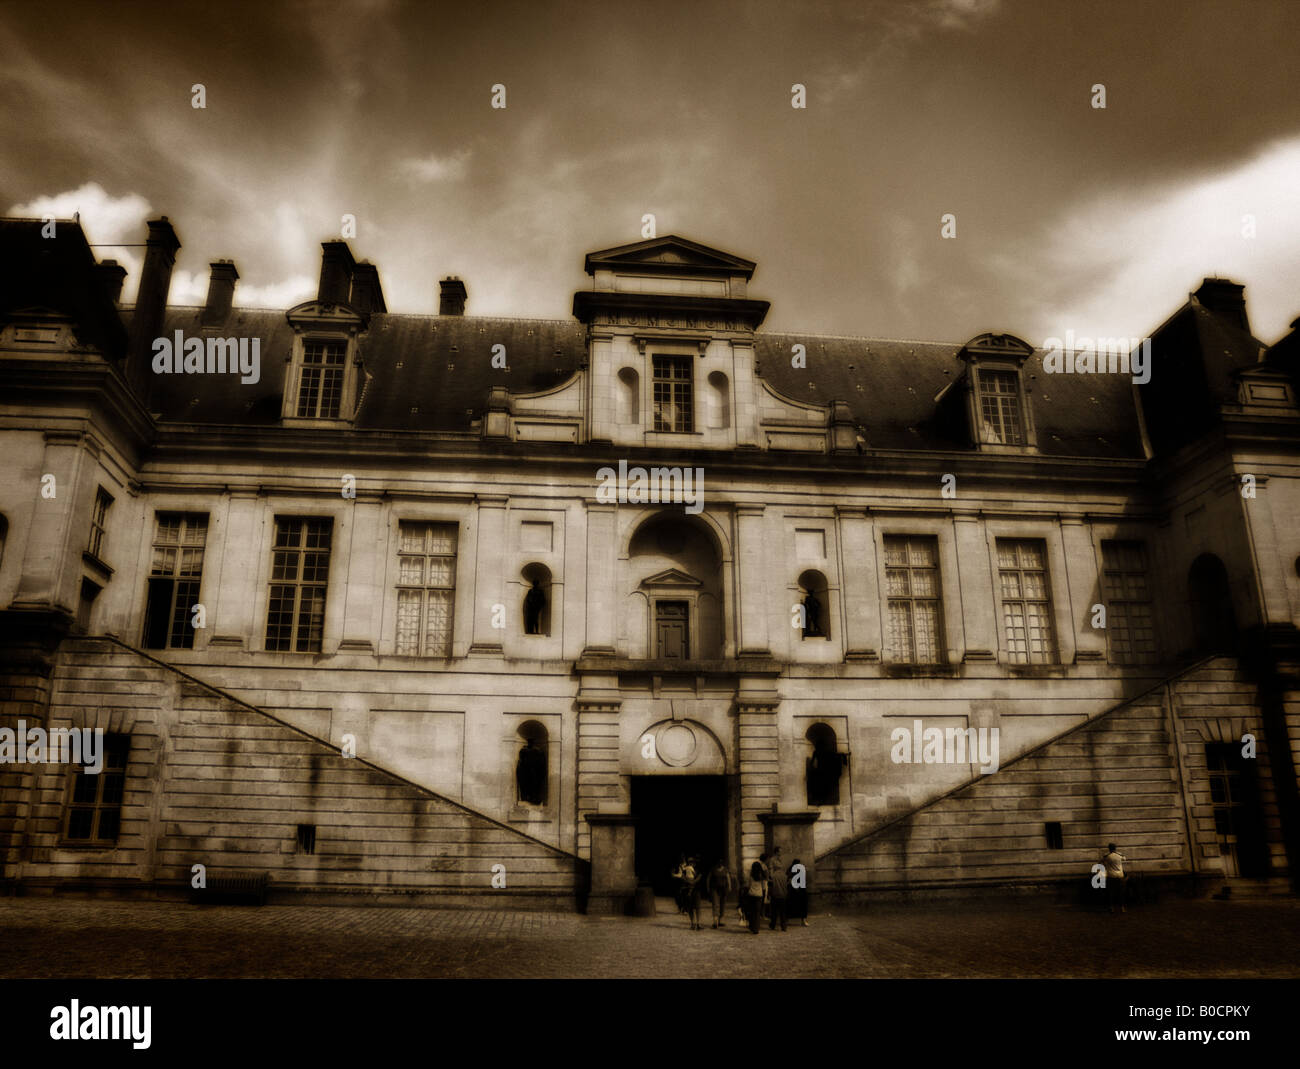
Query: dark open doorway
(677, 815)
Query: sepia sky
(1068, 216)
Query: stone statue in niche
(812, 615)
(534, 608)
(530, 774)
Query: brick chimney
(111, 276)
(1225, 299)
(451, 300)
(151, 304)
(221, 293)
(336, 267)
(367, 293)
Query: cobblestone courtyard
(74, 938)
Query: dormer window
(997, 402)
(999, 408)
(320, 385)
(674, 399)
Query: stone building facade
(482, 609)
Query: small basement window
(1055, 840)
(306, 838)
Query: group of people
(767, 888)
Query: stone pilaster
(979, 609)
(760, 765)
(1085, 590)
(231, 594)
(365, 564)
(52, 563)
(600, 788)
(858, 574)
(489, 574)
(602, 560)
(751, 634)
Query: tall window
(98, 523)
(1026, 601)
(174, 578)
(94, 810)
(295, 618)
(320, 390)
(1129, 624)
(674, 403)
(426, 588)
(999, 393)
(912, 587)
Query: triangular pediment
(669, 253)
(670, 577)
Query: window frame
(1134, 657)
(1049, 601)
(298, 584)
(994, 374)
(425, 588)
(176, 578)
(98, 806)
(674, 385)
(99, 523)
(940, 640)
(323, 343)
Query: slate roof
(440, 366)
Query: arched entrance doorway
(1214, 621)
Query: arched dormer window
(532, 767)
(537, 599)
(816, 605)
(824, 766)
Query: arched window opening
(532, 769)
(816, 603)
(537, 600)
(824, 767)
(719, 401)
(629, 397)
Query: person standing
(778, 890)
(1114, 862)
(798, 895)
(719, 888)
(755, 888)
(691, 891)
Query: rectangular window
(1130, 626)
(320, 390)
(295, 618)
(673, 398)
(98, 523)
(1000, 408)
(306, 838)
(175, 574)
(1026, 601)
(426, 588)
(1055, 838)
(912, 587)
(94, 810)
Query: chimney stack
(336, 267)
(221, 293)
(451, 301)
(1225, 299)
(367, 293)
(151, 304)
(111, 275)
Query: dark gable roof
(442, 367)
(58, 274)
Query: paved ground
(75, 938)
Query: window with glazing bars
(1000, 407)
(99, 523)
(673, 399)
(320, 389)
(295, 618)
(912, 588)
(94, 810)
(1026, 601)
(175, 575)
(426, 588)
(1130, 626)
